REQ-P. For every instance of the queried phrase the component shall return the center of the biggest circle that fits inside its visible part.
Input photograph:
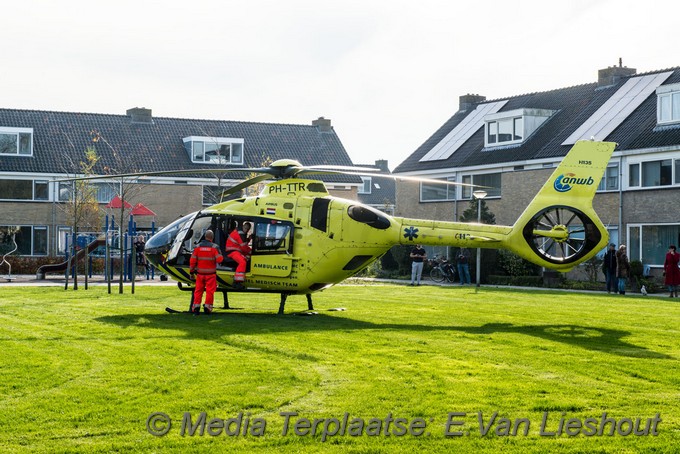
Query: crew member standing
(203, 265)
(238, 250)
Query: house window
(509, 130)
(491, 181)
(105, 191)
(24, 190)
(433, 192)
(366, 188)
(634, 175)
(65, 190)
(649, 242)
(657, 173)
(610, 180)
(668, 104)
(41, 190)
(30, 240)
(16, 141)
(513, 126)
(63, 238)
(663, 172)
(214, 150)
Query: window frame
(669, 168)
(44, 229)
(367, 182)
(636, 243)
(33, 190)
(671, 93)
(603, 186)
(236, 157)
(450, 189)
(19, 132)
(466, 191)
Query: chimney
(612, 74)
(467, 101)
(140, 115)
(323, 124)
(382, 165)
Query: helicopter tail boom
(559, 228)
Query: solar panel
(462, 132)
(617, 108)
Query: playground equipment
(9, 277)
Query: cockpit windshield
(164, 238)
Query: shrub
(593, 267)
(514, 265)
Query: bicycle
(442, 270)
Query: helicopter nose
(157, 248)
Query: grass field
(82, 371)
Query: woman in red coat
(671, 271)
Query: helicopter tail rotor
(560, 229)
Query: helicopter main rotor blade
(343, 168)
(243, 184)
(312, 171)
(266, 170)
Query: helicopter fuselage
(304, 240)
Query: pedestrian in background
(622, 268)
(609, 268)
(418, 256)
(671, 271)
(463, 261)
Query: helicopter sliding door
(272, 248)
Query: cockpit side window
(272, 237)
(369, 216)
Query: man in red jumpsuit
(203, 265)
(238, 250)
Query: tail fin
(560, 229)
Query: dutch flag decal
(271, 210)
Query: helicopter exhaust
(559, 228)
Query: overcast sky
(387, 73)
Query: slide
(61, 267)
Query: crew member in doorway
(238, 250)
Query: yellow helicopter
(304, 240)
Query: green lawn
(81, 371)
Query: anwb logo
(566, 181)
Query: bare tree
(81, 206)
(127, 189)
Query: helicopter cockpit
(174, 244)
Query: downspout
(621, 203)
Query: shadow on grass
(218, 324)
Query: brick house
(512, 144)
(38, 147)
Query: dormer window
(514, 126)
(214, 150)
(16, 141)
(366, 187)
(668, 104)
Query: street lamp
(479, 195)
